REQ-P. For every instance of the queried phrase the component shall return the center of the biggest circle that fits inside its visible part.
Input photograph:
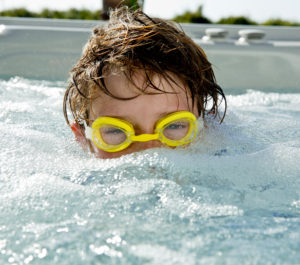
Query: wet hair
(132, 41)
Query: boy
(141, 83)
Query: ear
(79, 134)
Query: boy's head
(139, 69)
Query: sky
(258, 10)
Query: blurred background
(247, 12)
(252, 44)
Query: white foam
(240, 177)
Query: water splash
(232, 197)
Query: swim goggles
(113, 135)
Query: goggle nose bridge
(144, 137)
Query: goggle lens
(176, 130)
(112, 135)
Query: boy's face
(143, 111)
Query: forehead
(145, 99)
(120, 84)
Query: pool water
(231, 198)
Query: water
(231, 198)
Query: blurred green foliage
(280, 22)
(192, 17)
(187, 17)
(240, 20)
(198, 17)
(18, 12)
(72, 13)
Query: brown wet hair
(131, 42)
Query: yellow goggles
(113, 135)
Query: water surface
(231, 198)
